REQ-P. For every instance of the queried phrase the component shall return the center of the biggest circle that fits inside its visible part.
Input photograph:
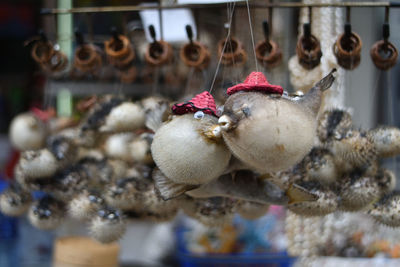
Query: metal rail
(49, 11)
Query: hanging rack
(48, 11)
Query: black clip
(78, 37)
(347, 30)
(42, 35)
(152, 32)
(307, 30)
(189, 33)
(115, 34)
(385, 31)
(266, 30)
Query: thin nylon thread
(252, 35)
(223, 49)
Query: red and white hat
(201, 102)
(256, 81)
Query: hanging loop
(347, 47)
(194, 54)
(42, 49)
(308, 48)
(268, 52)
(383, 53)
(115, 34)
(87, 58)
(158, 52)
(189, 33)
(232, 52)
(266, 30)
(48, 56)
(78, 37)
(152, 32)
(119, 50)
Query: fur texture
(27, 132)
(386, 141)
(353, 150)
(116, 146)
(107, 226)
(140, 148)
(358, 192)
(46, 214)
(14, 202)
(326, 203)
(38, 164)
(319, 165)
(333, 123)
(387, 210)
(84, 206)
(213, 212)
(126, 117)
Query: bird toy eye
(198, 115)
(349, 134)
(338, 136)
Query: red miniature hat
(43, 115)
(201, 102)
(256, 81)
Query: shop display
(214, 156)
(72, 167)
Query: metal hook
(115, 34)
(152, 32)
(226, 26)
(385, 31)
(347, 25)
(43, 36)
(347, 30)
(307, 30)
(270, 16)
(189, 33)
(266, 30)
(387, 14)
(89, 22)
(78, 37)
(386, 27)
(307, 26)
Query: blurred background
(371, 95)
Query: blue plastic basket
(8, 226)
(188, 259)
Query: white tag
(174, 24)
(204, 1)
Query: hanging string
(223, 49)
(391, 114)
(188, 80)
(252, 35)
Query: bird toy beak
(225, 123)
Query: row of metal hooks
(347, 47)
(243, 3)
(120, 53)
